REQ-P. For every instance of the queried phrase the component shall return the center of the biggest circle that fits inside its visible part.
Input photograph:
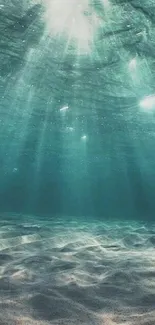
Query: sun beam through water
(75, 19)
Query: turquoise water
(77, 172)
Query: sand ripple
(65, 272)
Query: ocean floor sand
(68, 271)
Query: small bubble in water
(15, 170)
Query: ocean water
(77, 176)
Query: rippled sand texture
(74, 272)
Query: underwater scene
(77, 162)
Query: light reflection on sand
(76, 272)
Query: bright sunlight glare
(148, 103)
(76, 19)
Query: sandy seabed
(65, 272)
